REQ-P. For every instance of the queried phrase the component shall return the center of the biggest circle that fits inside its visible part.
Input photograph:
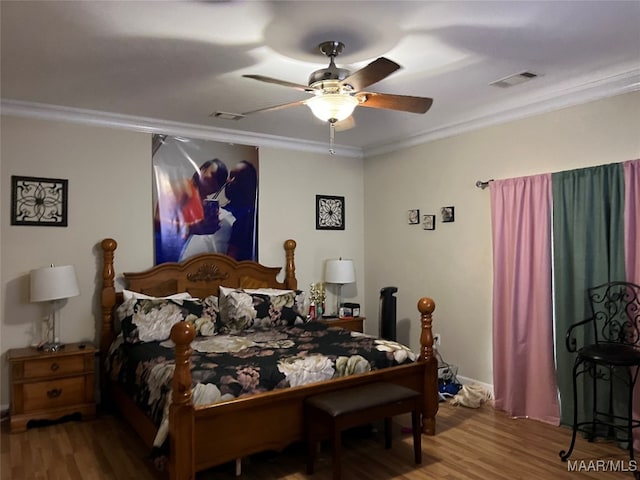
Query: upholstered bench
(328, 414)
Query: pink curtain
(523, 361)
(632, 251)
(631, 220)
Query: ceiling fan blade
(275, 107)
(345, 124)
(283, 83)
(372, 73)
(404, 103)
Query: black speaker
(388, 313)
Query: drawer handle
(55, 393)
(54, 367)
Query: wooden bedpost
(108, 301)
(426, 306)
(181, 417)
(290, 272)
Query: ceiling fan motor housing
(330, 73)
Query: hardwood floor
(470, 444)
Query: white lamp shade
(334, 106)
(53, 283)
(339, 271)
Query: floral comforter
(225, 367)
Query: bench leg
(337, 450)
(417, 436)
(388, 428)
(311, 452)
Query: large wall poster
(205, 199)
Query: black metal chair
(610, 355)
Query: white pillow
(264, 291)
(129, 294)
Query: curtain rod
(483, 185)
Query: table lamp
(53, 284)
(339, 272)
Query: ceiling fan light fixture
(333, 107)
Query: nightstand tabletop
(16, 354)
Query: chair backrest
(616, 312)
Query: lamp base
(52, 346)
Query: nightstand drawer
(355, 324)
(46, 367)
(49, 385)
(53, 394)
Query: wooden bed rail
(108, 301)
(290, 266)
(183, 334)
(426, 306)
(181, 419)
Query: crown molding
(612, 85)
(96, 118)
(587, 91)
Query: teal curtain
(588, 249)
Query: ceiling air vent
(516, 79)
(227, 115)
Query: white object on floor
(471, 396)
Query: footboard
(181, 413)
(275, 419)
(430, 375)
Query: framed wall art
(329, 212)
(39, 201)
(205, 197)
(413, 216)
(448, 214)
(429, 222)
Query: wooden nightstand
(50, 385)
(355, 324)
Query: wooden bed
(274, 418)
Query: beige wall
(289, 182)
(453, 264)
(109, 195)
(109, 173)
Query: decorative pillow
(150, 320)
(241, 309)
(129, 294)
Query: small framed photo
(413, 217)
(39, 201)
(429, 222)
(329, 212)
(448, 214)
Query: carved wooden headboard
(201, 276)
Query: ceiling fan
(337, 92)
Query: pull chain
(332, 134)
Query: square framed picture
(329, 212)
(413, 217)
(39, 201)
(429, 222)
(448, 214)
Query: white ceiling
(180, 61)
